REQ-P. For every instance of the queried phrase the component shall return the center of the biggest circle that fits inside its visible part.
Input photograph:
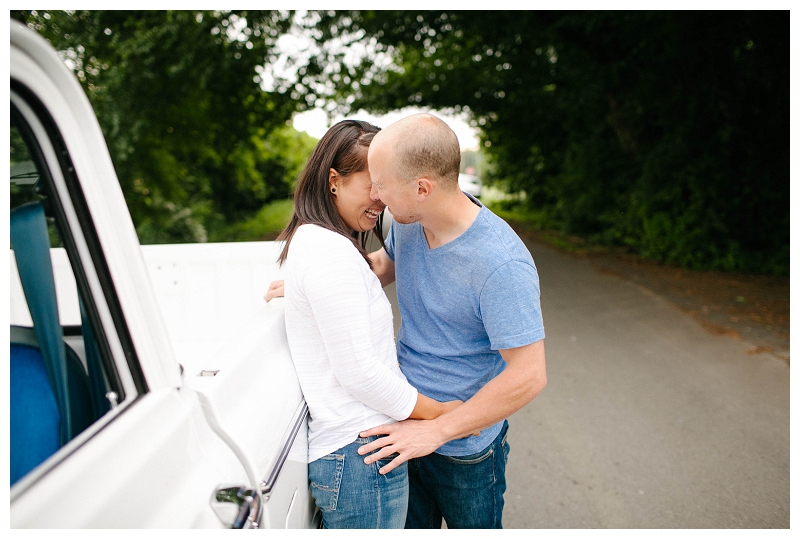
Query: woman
(341, 334)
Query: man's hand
(409, 439)
(275, 291)
(523, 378)
(383, 267)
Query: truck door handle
(248, 502)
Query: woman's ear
(333, 180)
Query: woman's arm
(427, 408)
(275, 290)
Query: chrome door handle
(248, 502)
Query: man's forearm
(509, 391)
(383, 267)
(523, 379)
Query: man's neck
(449, 218)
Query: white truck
(150, 386)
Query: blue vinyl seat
(51, 400)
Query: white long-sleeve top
(341, 336)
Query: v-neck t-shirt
(461, 303)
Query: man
(471, 329)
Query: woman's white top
(341, 336)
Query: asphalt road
(647, 421)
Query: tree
(178, 96)
(667, 132)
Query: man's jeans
(353, 495)
(467, 491)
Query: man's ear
(424, 188)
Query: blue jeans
(353, 495)
(466, 491)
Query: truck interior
(58, 384)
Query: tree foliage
(667, 132)
(196, 142)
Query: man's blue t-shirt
(460, 304)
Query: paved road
(647, 421)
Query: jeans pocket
(475, 458)
(325, 475)
(399, 474)
(388, 459)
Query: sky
(315, 123)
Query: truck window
(63, 378)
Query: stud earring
(333, 190)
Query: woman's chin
(366, 227)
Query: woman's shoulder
(312, 233)
(318, 240)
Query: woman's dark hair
(344, 149)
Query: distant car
(470, 184)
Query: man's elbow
(529, 370)
(537, 386)
(541, 383)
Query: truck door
(106, 431)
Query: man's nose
(373, 193)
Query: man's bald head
(421, 145)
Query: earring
(333, 190)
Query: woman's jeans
(467, 491)
(353, 495)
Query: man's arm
(521, 381)
(383, 267)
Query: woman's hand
(275, 291)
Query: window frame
(66, 202)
